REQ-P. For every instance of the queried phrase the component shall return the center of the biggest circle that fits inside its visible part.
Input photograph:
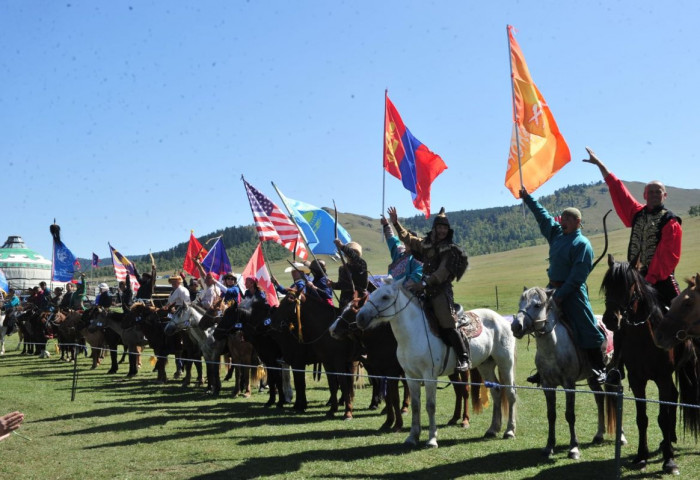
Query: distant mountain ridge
(481, 231)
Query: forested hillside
(483, 231)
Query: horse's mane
(621, 277)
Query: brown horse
(633, 309)
(682, 320)
(300, 327)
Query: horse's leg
(461, 396)
(667, 422)
(389, 410)
(488, 373)
(333, 384)
(430, 403)
(393, 404)
(551, 398)
(300, 404)
(133, 361)
(600, 405)
(414, 435)
(114, 356)
(347, 389)
(406, 397)
(570, 414)
(639, 390)
(125, 352)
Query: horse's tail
(479, 392)
(611, 409)
(688, 380)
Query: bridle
(539, 326)
(396, 299)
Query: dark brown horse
(632, 309)
(300, 325)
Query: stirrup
(462, 365)
(599, 376)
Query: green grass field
(134, 429)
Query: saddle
(467, 323)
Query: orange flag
(536, 139)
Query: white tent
(24, 268)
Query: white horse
(425, 357)
(559, 362)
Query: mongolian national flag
(272, 224)
(536, 139)
(256, 268)
(406, 158)
(194, 251)
(122, 266)
(216, 262)
(95, 260)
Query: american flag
(274, 225)
(122, 265)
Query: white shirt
(210, 295)
(179, 297)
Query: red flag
(194, 251)
(272, 224)
(406, 158)
(536, 139)
(256, 268)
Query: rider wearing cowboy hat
(352, 274)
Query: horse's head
(184, 318)
(347, 320)
(97, 317)
(629, 299)
(533, 312)
(288, 310)
(682, 321)
(381, 305)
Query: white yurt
(24, 268)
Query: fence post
(497, 309)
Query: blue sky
(132, 122)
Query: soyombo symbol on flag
(406, 158)
(537, 149)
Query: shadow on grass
(494, 464)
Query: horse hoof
(574, 454)
(404, 410)
(490, 434)
(432, 443)
(464, 424)
(623, 440)
(671, 468)
(638, 464)
(547, 452)
(597, 440)
(410, 442)
(509, 435)
(347, 416)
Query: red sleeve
(625, 204)
(668, 253)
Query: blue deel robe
(402, 265)
(570, 262)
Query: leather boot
(461, 350)
(595, 356)
(535, 378)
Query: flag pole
(515, 120)
(386, 94)
(291, 217)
